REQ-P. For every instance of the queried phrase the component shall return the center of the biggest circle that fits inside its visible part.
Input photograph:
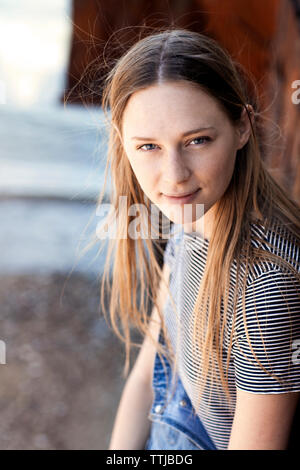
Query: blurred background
(60, 364)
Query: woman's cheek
(139, 171)
(223, 161)
(136, 168)
(144, 177)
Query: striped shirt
(276, 320)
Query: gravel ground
(63, 373)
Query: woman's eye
(206, 138)
(145, 145)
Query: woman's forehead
(183, 106)
(180, 90)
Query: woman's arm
(264, 410)
(132, 426)
(262, 421)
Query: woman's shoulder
(276, 239)
(272, 294)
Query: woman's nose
(175, 169)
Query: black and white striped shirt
(276, 295)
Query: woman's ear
(244, 125)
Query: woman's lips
(182, 199)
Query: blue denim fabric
(175, 425)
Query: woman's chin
(180, 216)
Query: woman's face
(179, 141)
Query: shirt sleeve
(274, 334)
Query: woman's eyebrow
(193, 131)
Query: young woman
(219, 365)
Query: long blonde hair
(252, 196)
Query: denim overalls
(174, 426)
